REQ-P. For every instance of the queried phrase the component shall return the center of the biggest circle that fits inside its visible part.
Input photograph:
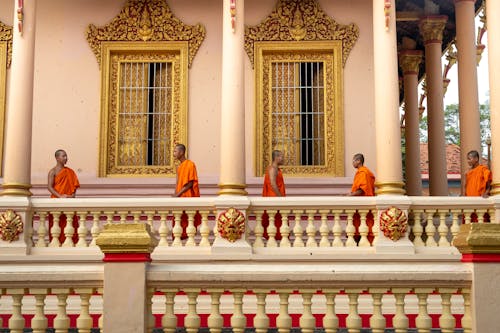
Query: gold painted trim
(16, 189)
(146, 21)
(232, 189)
(478, 238)
(396, 188)
(495, 189)
(6, 36)
(328, 52)
(3, 92)
(126, 238)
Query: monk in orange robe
(477, 181)
(362, 185)
(187, 184)
(274, 186)
(63, 183)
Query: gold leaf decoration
(146, 20)
(393, 223)
(231, 224)
(300, 20)
(6, 36)
(10, 225)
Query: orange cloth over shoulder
(476, 180)
(186, 172)
(65, 182)
(267, 190)
(365, 180)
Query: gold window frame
(174, 52)
(328, 52)
(3, 90)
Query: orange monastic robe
(365, 180)
(476, 180)
(186, 172)
(65, 182)
(267, 190)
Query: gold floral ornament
(300, 20)
(6, 36)
(393, 223)
(231, 224)
(10, 225)
(146, 20)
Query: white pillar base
(222, 246)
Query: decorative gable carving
(6, 36)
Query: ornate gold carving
(231, 224)
(410, 61)
(146, 20)
(10, 225)
(300, 20)
(431, 28)
(329, 54)
(393, 223)
(6, 36)
(478, 238)
(126, 238)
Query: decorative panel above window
(144, 54)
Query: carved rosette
(10, 225)
(393, 223)
(231, 224)
(300, 20)
(146, 20)
(6, 36)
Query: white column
(17, 158)
(388, 138)
(232, 171)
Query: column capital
(410, 60)
(431, 28)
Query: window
(145, 107)
(299, 107)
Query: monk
(187, 184)
(62, 183)
(362, 185)
(274, 186)
(477, 181)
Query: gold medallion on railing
(393, 223)
(231, 224)
(10, 225)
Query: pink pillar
(470, 136)
(431, 29)
(17, 158)
(410, 61)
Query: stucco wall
(66, 110)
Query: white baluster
(283, 320)
(123, 216)
(376, 227)
(238, 319)
(177, 229)
(204, 230)
(323, 229)
(377, 320)
(150, 218)
(259, 229)
(467, 317)
(150, 318)
(39, 322)
(455, 226)
(84, 320)
(215, 320)
(430, 229)
(191, 229)
(192, 319)
(480, 215)
(297, 229)
(423, 320)
(137, 216)
(400, 320)
(446, 320)
(55, 231)
(69, 230)
(16, 321)
(163, 230)
(467, 214)
(353, 320)
(443, 229)
(169, 319)
(350, 229)
(330, 320)
(100, 321)
(271, 229)
(82, 230)
(42, 230)
(95, 230)
(363, 229)
(307, 321)
(61, 321)
(261, 320)
(285, 229)
(109, 217)
(311, 230)
(418, 230)
(337, 230)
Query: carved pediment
(6, 36)
(146, 20)
(300, 20)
